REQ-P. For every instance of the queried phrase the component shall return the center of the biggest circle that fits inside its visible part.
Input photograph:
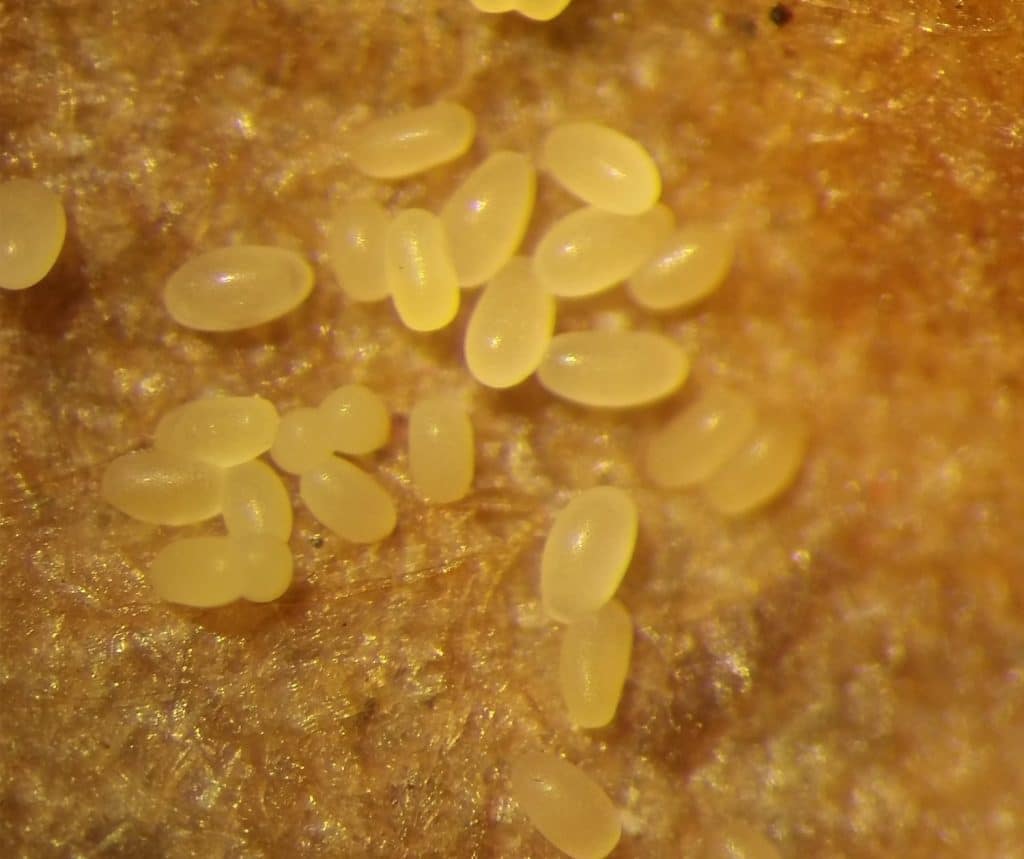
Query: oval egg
(421, 275)
(589, 250)
(441, 449)
(565, 805)
(593, 664)
(587, 552)
(613, 369)
(348, 501)
(163, 488)
(486, 216)
(510, 327)
(602, 166)
(237, 287)
(356, 238)
(256, 502)
(222, 431)
(700, 439)
(201, 572)
(32, 230)
(763, 467)
(412, 141)
(355, 419)
(685, 268)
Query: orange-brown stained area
(844, 670)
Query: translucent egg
(256, 502)
(302, 441)
(162, 488)
(32, 229)
(421, 275)
(594, 662)
(441, 449)
(541, 10)
(348, 501)
(237, 287)
(412, 141)
(222, 431)
(565, 805)
(762, 469)
(356, 250)
(587, 552)
(356, 420)
(267, 567)
(602, 166)
(590, 250)
(486, 216)
(613, 369)
(700, 439)
(202, 572)
(510, 328)
(685, 268)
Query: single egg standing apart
(442, 454)
(237, 287)
(32, 230)
(566, 805)
(412, 141)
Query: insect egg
(237, 287)
(163, 488)
(590, 250)
(441, 449)
(222, 431)
(32, 230)
(602, 166)
(587, 552)
(412, 141)
(613, 369)
(421, 275)
(566, 805)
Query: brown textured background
(844, 671)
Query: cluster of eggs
(205, 460)
(424, 262)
